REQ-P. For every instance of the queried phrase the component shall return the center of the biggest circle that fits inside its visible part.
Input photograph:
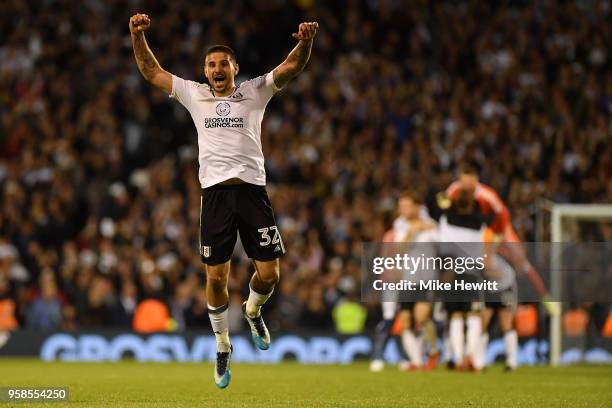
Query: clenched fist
(139, 22)
(306, 31)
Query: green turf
(131, 384)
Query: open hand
(306, 31)
(139, 22)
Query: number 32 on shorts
(266, 240)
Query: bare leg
(216, 284)
(217, 298)
(263, 281)
(262, 285)
(266, 276)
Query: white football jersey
(229, 128)
(457, 234)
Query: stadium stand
(100, 201)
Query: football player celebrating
(228, 120)
(501, 225)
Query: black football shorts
(503, 299)
(242, 208)
(463, 300)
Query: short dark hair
(221, 48)
(464, 199)
(415, 195)
(468, 168)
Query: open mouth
(219, 79)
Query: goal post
(551, 217)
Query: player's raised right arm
(147, 63)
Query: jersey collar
(210, 88)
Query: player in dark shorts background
(461, 219)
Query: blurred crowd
(99, 205)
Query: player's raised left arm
(298, 57)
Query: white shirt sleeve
(264, 87)
(183, 90)
(270, 82)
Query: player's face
(407, 208)
(468, 182)
(220, 71)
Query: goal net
(580, 333)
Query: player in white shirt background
(232, 174)
(411, 226)
(462, 220)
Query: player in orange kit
(502, 225)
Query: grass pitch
(131, 384)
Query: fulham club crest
(205, 251)
(223, 109)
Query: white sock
(412, 346)
(255, 301)
(480, 359)
(511, 343)
(474, 330)
(457, 339)
(448, 355)
(388, 310)
(218, 321)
